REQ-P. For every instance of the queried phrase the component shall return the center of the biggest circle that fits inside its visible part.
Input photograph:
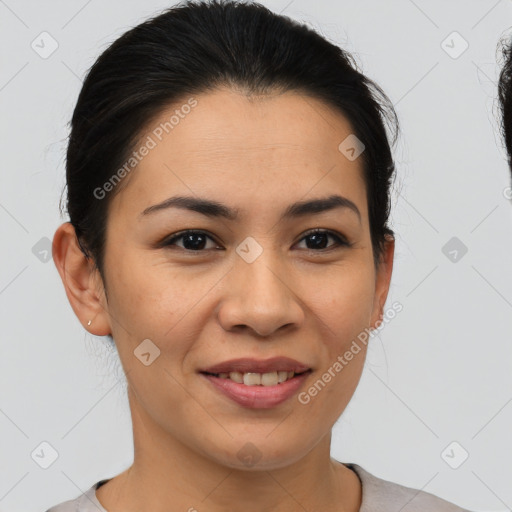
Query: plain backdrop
(433, 409)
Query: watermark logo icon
(454, 455)
(249, 454)
(44, 45)
(42, 250)
(146, 352)
(249, 249)
(454, 45)
(351, 147)
(44, 455)
(454, 249)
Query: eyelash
(340, 240)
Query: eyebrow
(211, 208)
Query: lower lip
(258, 397)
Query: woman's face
(257, 285)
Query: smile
(252, 392)
(257, 379)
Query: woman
(228, 176)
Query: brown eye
(192, 240)
(319, 239)
(196, 241)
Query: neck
(166, 473)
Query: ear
(82, 281)
(383, 279)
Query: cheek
(146, 296)
(344, 302)
(159, 304)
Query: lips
(262, 396)
(250, 365)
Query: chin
(260, 454)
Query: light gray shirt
(378, 496)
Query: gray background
(439, 372)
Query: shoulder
(391, 497)
(86, 502)
(66, 506)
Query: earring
(89, 322)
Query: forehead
(227, 146)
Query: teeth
(252, 379)
(269, 379)
(258, 379)
(237, 377)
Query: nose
(260, 297)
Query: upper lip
(250, 365)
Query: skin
(258, 155)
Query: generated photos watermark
(342, 360)
(150, 143)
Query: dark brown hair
(195, 47)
